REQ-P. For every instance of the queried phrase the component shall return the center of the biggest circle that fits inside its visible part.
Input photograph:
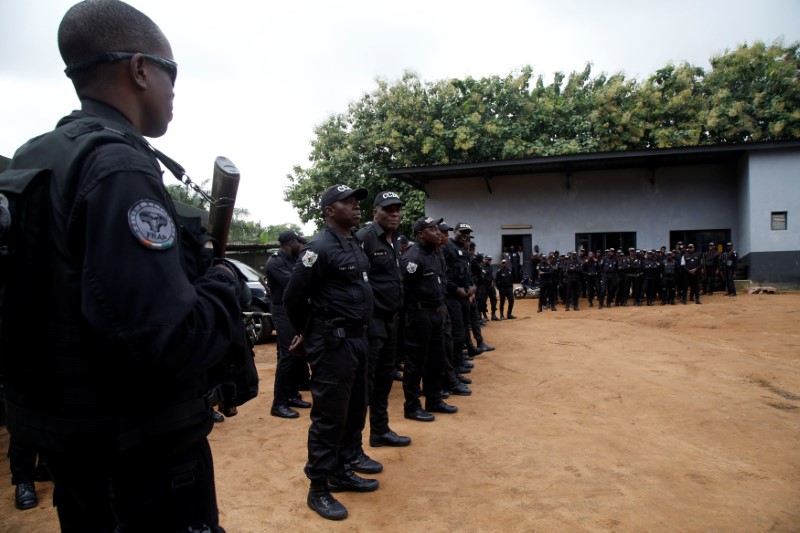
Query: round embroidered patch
(151, 225)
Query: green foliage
(750, 94)
(242, 231)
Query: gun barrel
(224, 187)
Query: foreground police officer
(329, 302)
(380, 242)
(113, 391)
(278, 269)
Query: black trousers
(492, 292)
(475, 323)
(729, 284)
(608, 289)
(506, 294)
(455, 309)
(21, 460)
(650, 288)
(380, 371)
(547, 295)
(286, 371)
(592, 288)
(668, 290)
(339, 392)
(425, 356)
(693, 284)
(149, 488)
(573, 292)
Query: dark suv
(259, 292)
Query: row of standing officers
(342, 301)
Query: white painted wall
(774, 185)
(676, 198)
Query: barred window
(778, 220)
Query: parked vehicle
(260, 328)
(527, 288)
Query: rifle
(224, 186)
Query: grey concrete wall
(774, 185)
(558, 207)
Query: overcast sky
(255, 77)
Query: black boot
(322, 501)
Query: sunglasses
(168, 65)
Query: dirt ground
(677, 418)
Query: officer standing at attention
(710, 267)
(504, 281)
(278, 269)
(692, 269)
(728, 265)
(329, 302)
(379, 241)
(425, 317)
(153, 323)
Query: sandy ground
(677, 418)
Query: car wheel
(519, 293)
(259, 329)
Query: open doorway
(522, 244)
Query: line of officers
(640, 277)
(347, 304)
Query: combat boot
(322, 501)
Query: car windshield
(249, 272)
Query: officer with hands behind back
(379, 241)
(137, 309)
(329, 301)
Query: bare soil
(676, 418)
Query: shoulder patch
(411, 267)
(309, 258)
(152, 225)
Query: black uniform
(650, 274)
(504, 281)
(458, 276)
(290, 366)
(608, 280)
(329, 299)
(669, 269)
(425, 317)
(572, 274)
(729, 258)
(710, 266)
(547, 290)
(114, 393)
(692, 270)
(386, 278)
(589, 269)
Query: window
(778, 220)
(621, 240)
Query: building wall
(557, 207)
(773, 184)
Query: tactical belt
(426, 305)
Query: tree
(750, 94)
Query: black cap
(711, 244)
(444, 226)
(289, 236)
(463, 227)
(690, 245)
(387, 198)
(729, 244)
(334, 193)
(425, 222)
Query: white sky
(255, 77)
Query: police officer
(278, 269)
(572, 274)
(379, 241)
(729, 258)
(491, 291)
(460, 291)
(650, 277)
(425, 316)
(135, 313)
(547, 291)
(454, 382)
(589, 269)
(710, 267)
(504, 281)
(608, 278)
(692, 268)
(669, 269)
(329, 301)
